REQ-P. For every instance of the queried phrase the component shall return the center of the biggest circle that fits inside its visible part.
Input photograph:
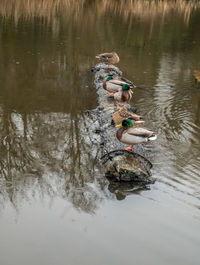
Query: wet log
(118, 164)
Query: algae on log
(118, 164)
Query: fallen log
(118, 164)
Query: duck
(131, 135)
(123, 114)
(124, 95)
(113, 85)
(108, 57)
(196, 75)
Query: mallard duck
(124, 95)
(131, 135)
(120, 82)
(108, 57)
(196, 75)
(123, 114)
(113, 85)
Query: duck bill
(131, 91)
(119, 125)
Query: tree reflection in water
(46, 147)
(46, 88)
(50, 153)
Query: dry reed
(75, 9)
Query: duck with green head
(128, 134)
(113, 85)
(124, 95)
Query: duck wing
(117, 82)
(105, 55)
(111, 87)
(124, 113)
(139, 131)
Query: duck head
(126, 87)
(126, 123)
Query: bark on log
(118, 164)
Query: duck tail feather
(152, 138)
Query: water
(55, 206)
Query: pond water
(55, 206)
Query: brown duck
(108, 57)
(123, 114)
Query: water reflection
(46, 87)
(179, 132)
(122, 190)
(50, 153)
(45, 140)
(48, 170)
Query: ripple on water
(172, 115)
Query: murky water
(55, 207)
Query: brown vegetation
(51, 9)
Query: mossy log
(119, 164)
